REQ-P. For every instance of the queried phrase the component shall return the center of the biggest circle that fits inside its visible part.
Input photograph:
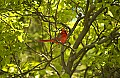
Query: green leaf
(53, 76)
(119, 44)
(20, 38)
(65, 76)
(110, 13)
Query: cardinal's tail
(52, 40)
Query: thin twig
(55, 69)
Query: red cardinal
(62, 37)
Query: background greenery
(92, 48)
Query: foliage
(92, 48)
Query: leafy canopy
(92, 48)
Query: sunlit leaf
(110, 13)
(20, 38)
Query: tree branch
(75, 25)
(95, 15)
(84, 50)
(87, 25)
(62, 58)
(77, 63)
(103, 40)
(87, 5)
(85, 29)
(55, 69)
